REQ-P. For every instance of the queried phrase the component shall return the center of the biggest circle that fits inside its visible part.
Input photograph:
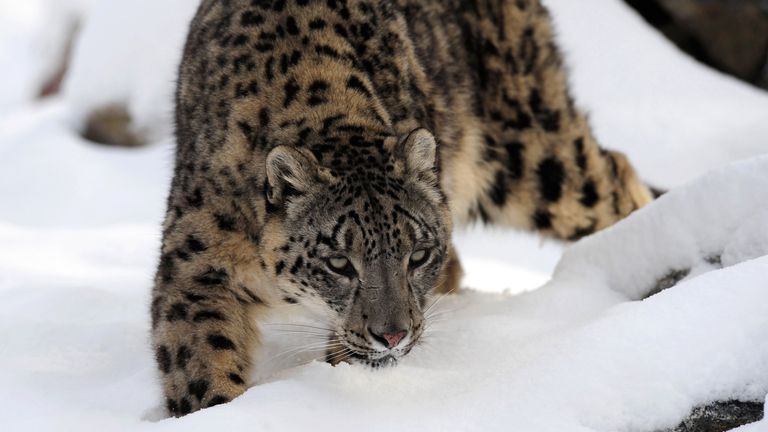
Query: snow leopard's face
(367, 246)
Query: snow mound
(581, 353)
(722, 221)
(50, 177)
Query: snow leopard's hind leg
(543, 167)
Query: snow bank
(51, 177)
(721, 222)
(575, 355)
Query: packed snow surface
(543, 338)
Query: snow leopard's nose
(389, 339)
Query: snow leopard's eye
(418, 258)
(342, 266)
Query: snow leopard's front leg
(203, 316)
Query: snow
(56, 179)
(653, 102)
(116, 64)
(546, 338)
(33, 36)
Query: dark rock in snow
(668, 281)
(721, 417)
(729, 35)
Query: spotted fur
(311, 132)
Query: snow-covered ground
(79, 229)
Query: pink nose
(394, 338)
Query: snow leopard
(325, 151)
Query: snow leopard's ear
(290, 172)
(418, 151)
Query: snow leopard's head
(364, 237)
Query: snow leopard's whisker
(440, 313)
(433, 324)
(432, 338)
(436, 311)
(424, 345)
(321, 341)
(301, 349)
(436, 331)
(437, 314)
(302, 332)
(306, 349)
(338, 355)
(298, 325)
(301, 329)
(433, 330)
(439, 298)
(324, 343)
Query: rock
(668, 281)
(731, 36)
(112, 126)
(721, 417)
